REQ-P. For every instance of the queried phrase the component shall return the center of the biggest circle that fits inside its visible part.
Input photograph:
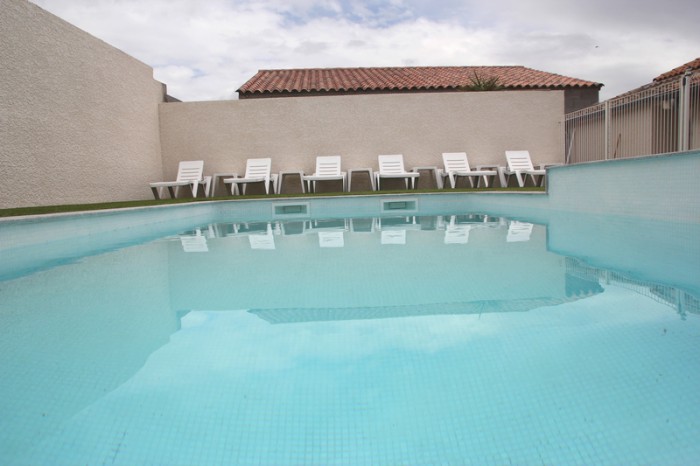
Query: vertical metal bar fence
(656, 119)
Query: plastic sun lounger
(256, 171)
(457, 164)
(189, 173)
(391, 166)
(520, 165)
(327, 169)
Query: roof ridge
(679, 70)
(391, 67)
(403, 78)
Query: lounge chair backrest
(391, 164)
(258, 168)
(455, 162)
(519, 231)
(190, 170)
(518, 160)
(328, 165)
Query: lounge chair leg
(502, 177)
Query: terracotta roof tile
(406, 78)
(678, 71)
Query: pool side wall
(663, 187)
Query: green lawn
(128, 204)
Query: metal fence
(659, 119)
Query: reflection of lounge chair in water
(194, 243)
(393, 229)
(331, 239)
(262, 240)
(260, 234)
(331, 232)
(519, 231)
(393, 236)
(457, 233)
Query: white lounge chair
(256, 171)
(520, 165)
(391, 166)
(457, 164)
(189, 173)
(327, 169)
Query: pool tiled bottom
(586, 382)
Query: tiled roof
(678, 71)
(427, 78)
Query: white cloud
(206, 50)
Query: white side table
(283, 174)
(218, 180)
(367, 171)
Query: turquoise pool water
(460, 338)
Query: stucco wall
(293, 131)
(78, 118)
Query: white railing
(659, 119)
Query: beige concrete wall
(293, 131)
(78, 118)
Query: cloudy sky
(206, 49)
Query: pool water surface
(404, 339)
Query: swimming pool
(404, 334)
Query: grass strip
(72, 208)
